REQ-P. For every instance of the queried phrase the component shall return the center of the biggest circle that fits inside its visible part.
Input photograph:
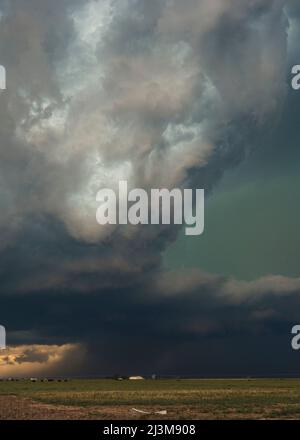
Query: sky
(162, 94)
(258, 206)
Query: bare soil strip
(23, 408)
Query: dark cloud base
(166, 329)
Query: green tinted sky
(253, 216)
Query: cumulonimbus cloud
(160, 93)
(124, 90)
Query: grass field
(184, 399)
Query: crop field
(151, 399)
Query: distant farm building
(136, 378)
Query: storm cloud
(161, 94)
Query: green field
(255, 398)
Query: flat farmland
(147, 399)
